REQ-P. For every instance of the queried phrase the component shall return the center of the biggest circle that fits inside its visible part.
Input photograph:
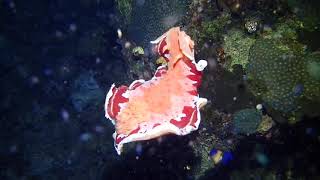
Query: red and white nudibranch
(167, 103)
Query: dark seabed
(58, 59)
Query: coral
(281, 71)
(211, 30)
(273, 73)
(279, 75)
(252, 24)
(236, 46)
(246, 121)
(308, 13)
(137, 51)
(137, 65)
(265, 124)
(86, 91)
(285, 35)
(313, 68)
(312, 78)
(161, 61)
(125, 9)
(138, 69)
(215, 135)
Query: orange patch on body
(165, 99)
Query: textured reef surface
(262, 82)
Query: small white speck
(72, 27)
(98, 60)
(99, 129)
(234, 98)
(127, 45)
(159, 139)
(13, 149)
(58, 34)
(47, 71)
(65, 115)
(85, 137)
(119, 32)
(35, 80)
(259, 106)
(229, 141)
(12, 5)
(139, 149)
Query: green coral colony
(281, 71)
(246, 121)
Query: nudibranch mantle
(167, 103)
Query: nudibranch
(167, 103)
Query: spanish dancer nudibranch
(167, 103)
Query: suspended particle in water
(65, 115)
(69, 161)
(139, 149)
(190, 143)
(47, 71)
(58, 34)
(99, 129)
(34, 80)
(187, 167)
(13, 149)
(119, 32)
(72, 27)
(259, 107)
(11, 5)
(127, 45)
(85, 137)
(98, 60)
(262, 158)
